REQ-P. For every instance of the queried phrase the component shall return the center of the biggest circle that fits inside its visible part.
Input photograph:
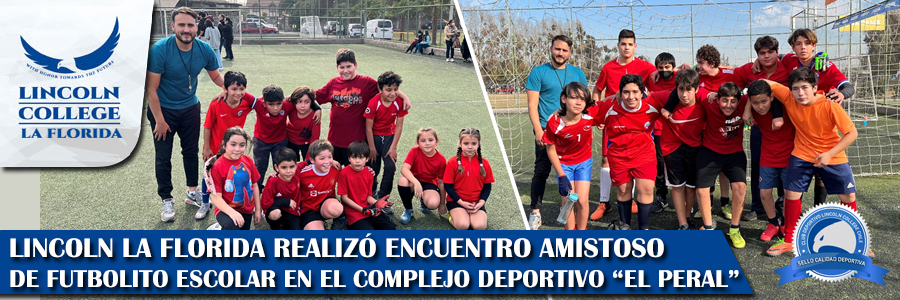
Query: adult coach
(172, 70)
(543, 88)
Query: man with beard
(544, 85)
(172, 70)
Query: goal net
(311, 27)
(509, 38)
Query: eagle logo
(81, 63)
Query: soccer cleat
(168, 210)
(618, 225)
(770, 232)
(534, 220)
(714, 224)
(406, 217)
(736, 238)
(202, 211)
(749, 215)
(214, 226)
(600, 211)
(339, 224)
(779, 248)
(726, 211)
(423, 207)
(658, 205)
(194, 198)
(870, 254)
(684, 227)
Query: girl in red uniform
(467, 180)
(233, 175)
(423, 173)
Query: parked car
(380, 29)
(356, 30)
(331, 27)
(255, 28)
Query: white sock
(605, 185)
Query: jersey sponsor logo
(311, 185)
(222, 115)
(568, 136)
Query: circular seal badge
(831, 228)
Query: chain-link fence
(294, 21)
(509, 38)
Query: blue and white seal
(830, 244)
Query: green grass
(877, 204)
(445, 96)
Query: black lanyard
(565, 71)
(188, 70)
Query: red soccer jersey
(661, 85)
(777, 145)
(358, 186)
(612, 73)
(315, 187)
(230, 177)
(628, 131)
(685, 126)
(468, 185)
(424, 168)
(723, 134)
(747, 76)
(348, 104)
(220, 117)
(573, 142)
(384, 116)
(268, 128)
(828, 79)
(712, 83)
(302, 130)
(278, 188)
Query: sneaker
(726, 211)
(736, 239)
(339, 223)
(618, 225)
(714, 224)
(780, 248)
(770, 232)
(194, 198)
(657, 206)
(448, 60)
(214, 226)
(600, 211)
(451, 60)
(202, 211)
(684, 227)
(750, 215)
(423, 207)
(388, 210)
(168, 210)
(534, 220)
(406, 216)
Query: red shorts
(621, 176)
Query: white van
(380, 29)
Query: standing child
(467, 181)
(423, 174)
(279, 199)
(233, 190)
(384, 124)
(269, 133)
(362, 210)
(317, 183)
(665, 68)
(568, 137)
(302, 128)
(221, 116)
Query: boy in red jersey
(317, 183)
(279, 199)
(269, 132)
(384, 124)
(665, 69)
(776, 147)
(569, 138)
(628, 122)
(222, 114)
(608, 81)
(363, 211)
(680, 141)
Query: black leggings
(228, 224)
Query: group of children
(698, 116)
(315, 179)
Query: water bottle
(866, 120)
(567, 208)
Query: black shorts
(429, 186)
(312, 215)
(710, 164)
(452, 204)
(342, 156)
(681, 167)
(300, 150)
(381, 222)
(282, 223)
(228, 224)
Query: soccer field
(446, 96)
(877, 199)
